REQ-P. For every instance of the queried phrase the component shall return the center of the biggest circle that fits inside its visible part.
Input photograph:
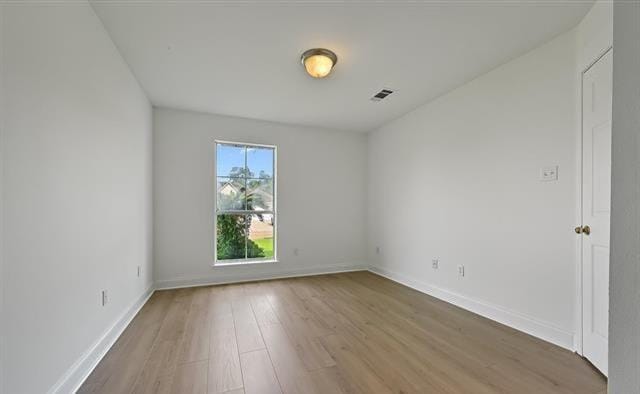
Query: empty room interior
(320, 196)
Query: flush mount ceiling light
(319, 62)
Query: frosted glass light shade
(319, 62)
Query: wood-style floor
(343, 333)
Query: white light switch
(549, 173)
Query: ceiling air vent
(381, 94)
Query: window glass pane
(260, 194)
(259, 162)
(231, 232)
(260, 242)
(231, 194)
(230, 160)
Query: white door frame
(580, 264)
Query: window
(245, 219)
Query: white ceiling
(242, 58)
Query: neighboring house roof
(229, 188)
(232, 187)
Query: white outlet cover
(105, 297)
(548, 174)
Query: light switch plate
(548, 174)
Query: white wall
(321, 197)
(595, 33)
(624, 327)
(457, 180)
(2, 274)
(76, 189)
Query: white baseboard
(71, 381)
(519, 321)
(249, 277)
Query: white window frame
(254, 260)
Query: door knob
(583, 230)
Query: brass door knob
(583, 230)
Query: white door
(596, 207)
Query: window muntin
(245, 220)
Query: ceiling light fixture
(318, 62)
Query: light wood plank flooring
(343, 333)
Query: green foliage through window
(232, 236)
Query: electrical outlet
(139, 271)
(435, 263)
(105, 298)
(461, 270)
(548, 174)
(377, 250)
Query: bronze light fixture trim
(318, 62)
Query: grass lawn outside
(266, 244)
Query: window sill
(242, 262)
